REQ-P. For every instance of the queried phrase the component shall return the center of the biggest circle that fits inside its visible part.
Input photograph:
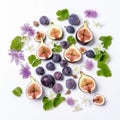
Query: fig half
(72, 54)
(39, 35)
(34, 89)
(43, 51)
(86, 83)
(55, 32)
(84, 35)
(98, 99)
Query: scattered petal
(97, 24)
(25, 71)
(85, 101)
(26, 29)
(70, 101)
(100, 47)
(77, 108)
(91, 13)
(30, 48)
(51, 95)
(16, 56)
(89, 65)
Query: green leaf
(62, 14)
(71, 40)
(31, 59)
(17, 43)
(104, 70)
(58, 100)
(57, 48)
(106, 41)
(17, 91)
(45, 99)
(36, 63)
(105, 57)
(48, 105)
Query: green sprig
(17, 91)
(57, 48)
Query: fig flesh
(43, 51)
(55, 32)
(84, 34)
(39, 35)
(72, 54)
(98, 100)
(34, 89)
(86, 83)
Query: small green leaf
(36, 63)
(62, 14)
(106, 41)
(104, 70)
(17, 91)
(48, 105)
(17, 43)
(45, 99)
(31, 59)
(71, 40)
(57, 48)
(58, 100)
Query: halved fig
(72, 54)
(98, 99)
(43, 51)
(86, 83)
(34, 89)
(84, 34)
(55, 32)
(39, 35)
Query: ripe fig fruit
(84, 34)
(86, 83)
(72, 54)
(39, 35)
(43, 51)
(34, 89)
(98, 99)
(55, 32)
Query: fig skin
(86, 33)
(88, 83)
(34, 89)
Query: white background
(15, 13)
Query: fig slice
(72, 54)
(98, 99)
(39, 35)
(84, 35)
(43, 51)
(34, 89)
(86, 83)
(55, 32)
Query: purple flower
(91, 13)
(70, 101)
(16, 55)
(25, 71)
(89, 65)
(26, 29)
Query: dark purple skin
(40, 71)
(70, 84)
(67, 71)
(57, 88)
(56, 58)
(58, 76)
(44, 20)
(63, 63)
(90, 54)
(50, 66)
(48, 80)
(64, 44)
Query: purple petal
(89, 65)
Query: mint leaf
(48, 105)
(104, 70)
(58, 100)
(71, 40)
(106, 41)
(57, 48)
(17, 43)
(34, 61)
(62, 14)
(17, 91)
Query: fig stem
(85, 24)
(32, 79)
